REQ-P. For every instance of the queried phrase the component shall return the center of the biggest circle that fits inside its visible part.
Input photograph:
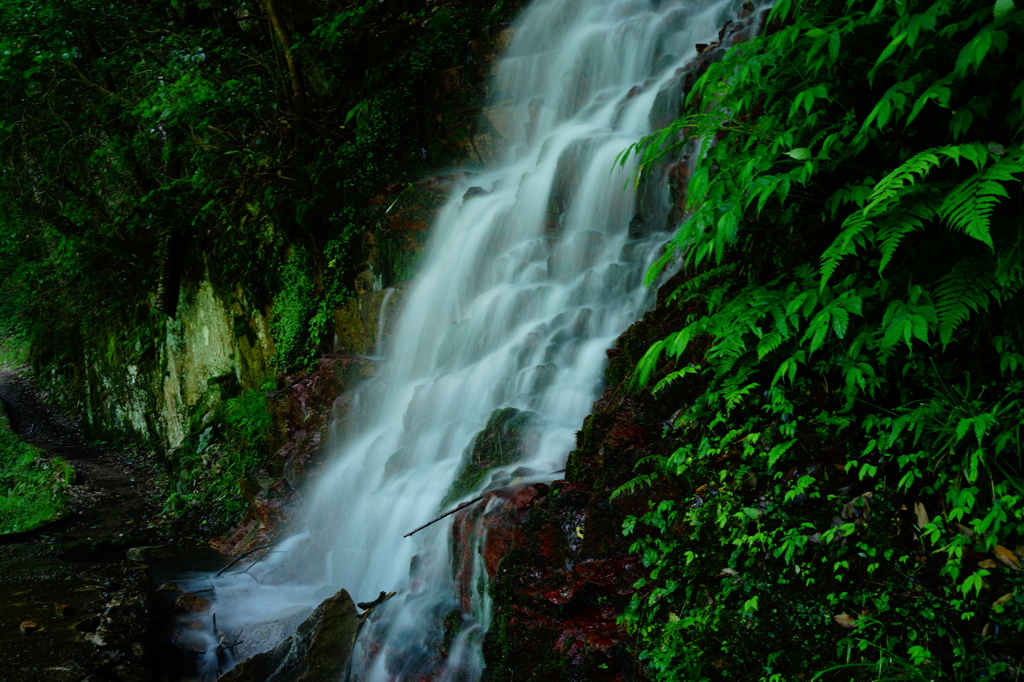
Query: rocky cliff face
(145, 389)
(562, 571)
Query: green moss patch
(502, 442)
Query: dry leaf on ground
(1007, 558)
(846, 621)
(921, 514)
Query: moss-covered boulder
(509, 433)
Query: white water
(507, 311)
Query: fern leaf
(735, 395)
(817, 330)
(689, 369)
(900, 224)
(648, 363)
(968, 208)
(963, 291)
(856, 230)
(918, 167)
(678, 342)
(768, 343)
(888, 187)
(788, 367)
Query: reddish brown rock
(497, 519)
(562, 570)
(192, 603)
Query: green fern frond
(768, 343)
(899, 224)
(961, 292)
(648, 363)
(672, 376)
(857, 231)
(968, 208)
(918, 167)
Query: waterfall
(527, 280)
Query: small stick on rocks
(447, 513)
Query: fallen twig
(242, 556)
(371, 604)
(368, 607)
(447, 513)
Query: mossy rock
(508, 435)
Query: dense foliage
(143, 142)
(854, 258)
(225, 446)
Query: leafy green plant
(32, 488)
(853, 254)
(293, 308)
(224, 447)
(13, 352)
(917, 664)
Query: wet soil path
(113, 490)
(72, 604)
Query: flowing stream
(526, 282)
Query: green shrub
(294, 307)
(854, 266)
(223, 449)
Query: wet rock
(474, 192)
(508, 433)
(561, 571)
(579, 255)
(487, 148)
(561, 576)
(192, 603)
(502, 119)
(397, 462)
(318, 650)
(567, 182)
(489, 528)
(365, 317)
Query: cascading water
(527, 281)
